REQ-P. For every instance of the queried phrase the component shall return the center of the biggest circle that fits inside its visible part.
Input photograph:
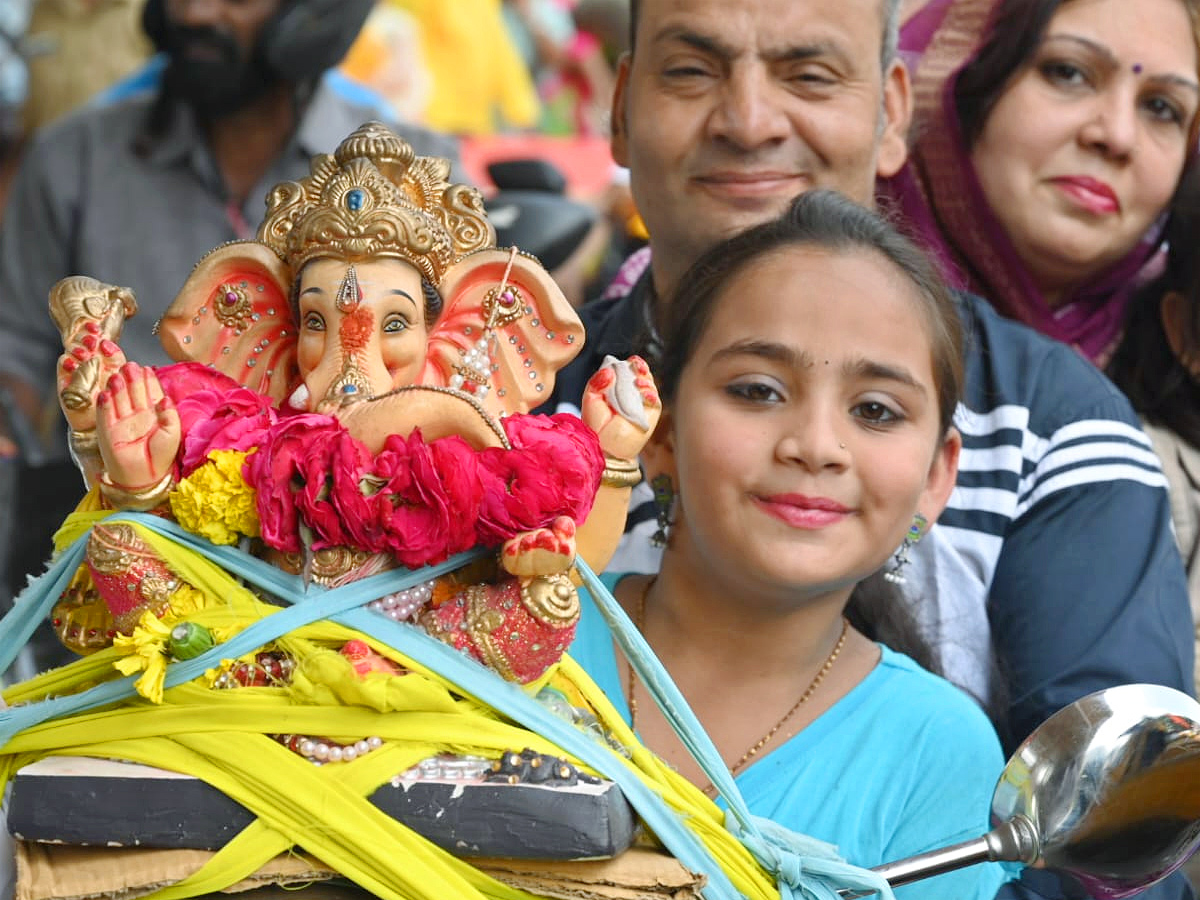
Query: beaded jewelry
(896, 573)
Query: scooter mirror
(1106, 790)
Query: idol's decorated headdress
(375, 198)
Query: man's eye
(685, 72)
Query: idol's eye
(395, 324)
(314, 321)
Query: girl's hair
(828, 221)
(1144, 366)
(825, 220)
(1017, 29)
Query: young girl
(811, 370)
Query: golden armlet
(621, 473)
(141, 500)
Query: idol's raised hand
(621, 404)
(138, 431)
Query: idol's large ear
(234, 314)
(534, 331)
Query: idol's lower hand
(543, 551)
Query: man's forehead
(766, 22)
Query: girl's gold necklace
(631, 699)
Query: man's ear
(618, 117)
(942, 476)
(658, 456)
(897, 116)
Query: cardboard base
(50, 872)
(91, 802)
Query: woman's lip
(1091, 194)
(803, 512)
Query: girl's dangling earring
(664, 503)
(895, 574)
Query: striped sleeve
(1062, 506)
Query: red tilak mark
(355, 330)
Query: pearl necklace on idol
(758, 745)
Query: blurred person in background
(451, 66)
(134, 191)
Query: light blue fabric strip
(804, 867)
(343, 605)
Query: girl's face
(1082, 152)
(804, 434)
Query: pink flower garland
(419, 502)
(416, 501)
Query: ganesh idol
(353, 394)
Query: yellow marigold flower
(215, 502)
(146, 649)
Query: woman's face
(1082, 152)
(804, 434)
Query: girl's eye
(395, 325)
(313, 322)
(754, 392)
(876, 413)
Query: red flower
(330, 470)
(553, 470)
(424, 510)
(275, 473)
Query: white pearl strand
(320, 752)
(403, 605)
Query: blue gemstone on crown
(349, 389)
(354, 199)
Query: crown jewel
(374, 197)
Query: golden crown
(374, 197)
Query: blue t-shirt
(904, 763)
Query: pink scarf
(940, 197)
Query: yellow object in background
(451, 66)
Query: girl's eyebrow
(802, 359)
(865, 368)
(770, 350)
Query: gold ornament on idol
(374, 197)
(758, 745)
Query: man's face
(211, 44)
(727, 109)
